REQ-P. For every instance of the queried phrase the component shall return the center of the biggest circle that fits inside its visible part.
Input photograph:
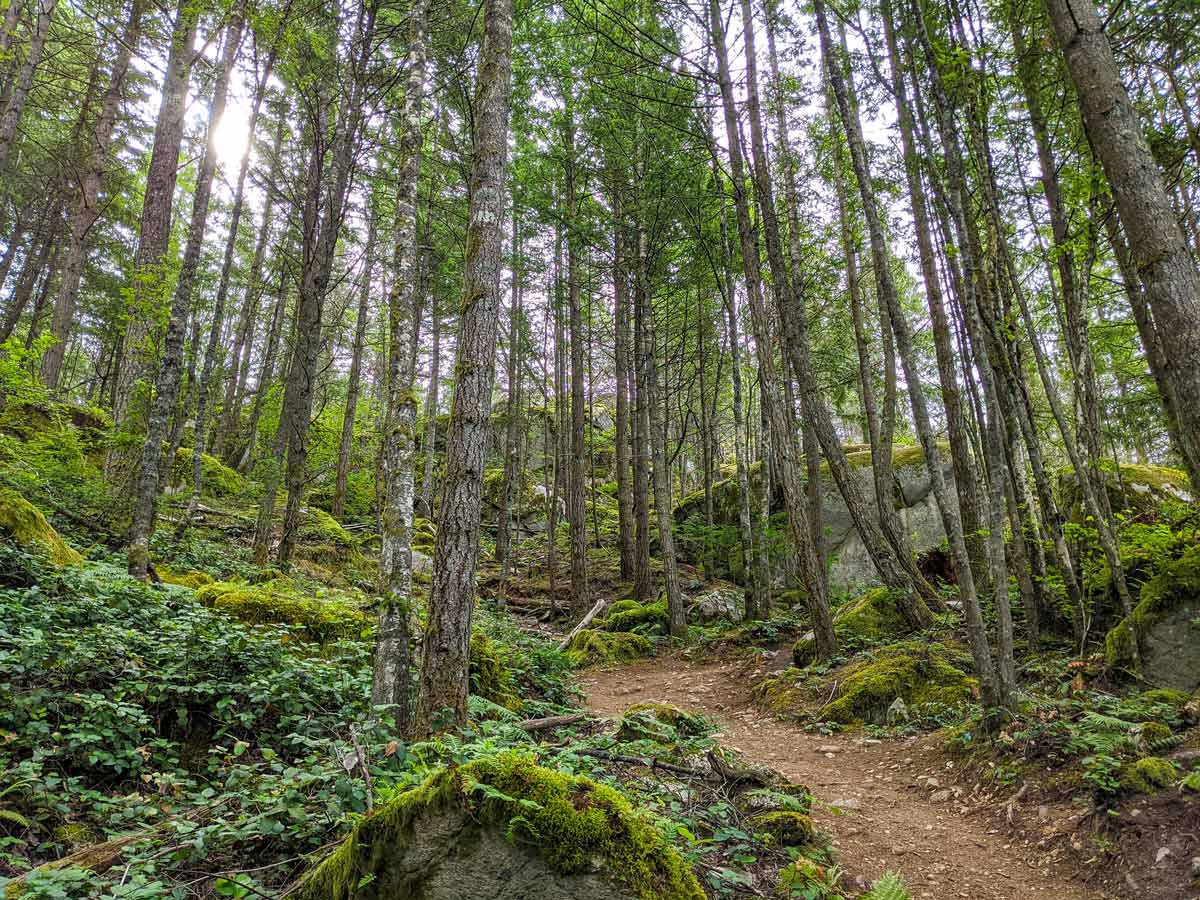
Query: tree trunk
(514, 419)
(354, 379)
(625, 524)
(1165, 267)
(444, 675)
(170, 372)
(85, 211)
(23, 82)
(155, 229)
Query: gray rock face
(1171, 648)
(715, 605)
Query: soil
(876, 799)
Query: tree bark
(444, 672)
(23, 82)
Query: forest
(634, 449)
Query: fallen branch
(583, 623)
(551, 722)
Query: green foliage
(871, 618)
(591, 646)
(490, 676)
(889, 887)
(650, 618)
(218, 479)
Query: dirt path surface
(890, 816)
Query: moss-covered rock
(24, 524)
(871, 617)
(922, 674)
(280, 603)
(1162, 631)
(1165, 697)
(491, 677)
(219, 480)
(658, 722)
(1141, 489)
(1148, 775)
(792, 829)
(780, 798)
(649, 617)
(503, 826)
(1154, 735)
(320, 528)
(191, 579)
(605, 647)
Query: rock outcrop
(503, 827)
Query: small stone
(847, 803)
(930, 782)
(939, 796)
(828, 748)
(1195, 866)
(1163, 853)
(1043, 813)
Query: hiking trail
(889, 815)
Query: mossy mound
(279, 603)
(320, 528)
(1148, 775)
(661, 722)
(605, 647)
(784, 693)
(1161, 629)
(781, 797)
(491, 678)
(24, 524)
(1165, 697)
(792, 829)
(191, 579)
(219, 480)
(923, 675)
(634, 616)
(503, 826)
(868, 619)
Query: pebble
(828, 748)
(847, 803)
(1163, 853)
(939, 796)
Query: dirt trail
(888, 818)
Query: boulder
(1132, 488)
(503, 827)
(721, 604)
(867, 619)
(851, 569)
(1160, 639)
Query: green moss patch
(922, 674)
(219, 479)
(490, 675)
(1148, 775)
(575, 825)
(593, 646)
(868, 619)
(634, 616)
(24, 524)
(279, 602)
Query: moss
(491, 677)
(868, 619)
(1155, 732)
(1147, 775)
(921, 674)
(1178, 583)
(320, 528)
(1166, 697)
(219, 479)
(783, 693)
(277, 603)
(74, 835)
(623, 606)
(650, 616)
(576, 824)
(1140, 488)
(658, 721)
(781, 798)
(25, 525)
(793, 829)
(424, 535)
(903, 456)
(593, 646)
(192, 579)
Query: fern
(889, 887)
(1166, 743)
(1099, 733)
(9, 815)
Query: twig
(649, 762)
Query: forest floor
(878, 804)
